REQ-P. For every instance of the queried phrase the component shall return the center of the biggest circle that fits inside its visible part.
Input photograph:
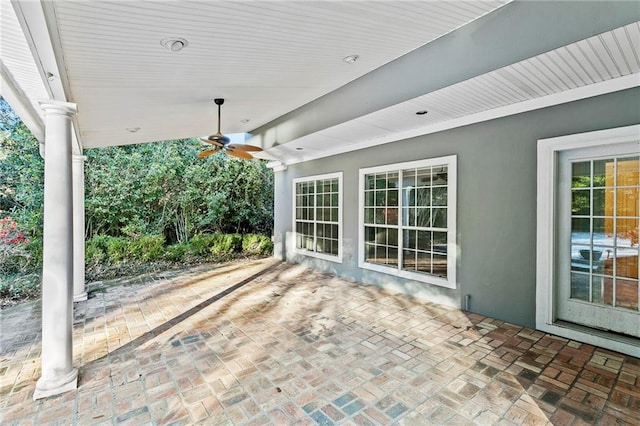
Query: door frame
(546, 257)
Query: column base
(80, 297)
(48, 387)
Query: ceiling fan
(220, 142)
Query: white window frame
(546, 256)
(451, 163)
(310, 253)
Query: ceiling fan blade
(216, 142)
(243, 147)
(239, 154)
(204, 154)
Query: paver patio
(262, 342)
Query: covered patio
(265, 342)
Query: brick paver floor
(261, 342)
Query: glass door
(597, 240)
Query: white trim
(323, 256)
(572, 95)
(548, 151)
(451, 162)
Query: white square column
(58, 375)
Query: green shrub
(176, 252)
(255, 244)
(94, 253)
(226, 245)
(118, 249)
(200, 244)
(147, 248)
(20, 286)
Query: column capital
(58, 107)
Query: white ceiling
(586, 68)
(270, 57)
(265, 57)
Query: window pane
(424, 240)
(628, 173)
(392, 198)
(368, 216)
(603, 202)
(409, 260)
(580, 258)
(369, 182)
(423, 197)
(581, 174)
(440, 196)
(581, 202)
(423, 217)
(627, 232)
(369, 252)
(439, 218)
(381, 198)
(410, 194)
(627, 263)
(410, 217)
(411, 239)
(392, 180)
(380, 216)
(579, 286)
(423, 262)
(391, 215)
(439, 238)
(440, 265)
(392, 237)
(423, 176)
(602, 290)
(603, 173)
(334, 214)
(627, 294)
(369, 234)
(440, 175)
(627, 202)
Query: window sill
(428, 279)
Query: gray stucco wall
(496, 202)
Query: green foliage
(176, 252)
(143, 203)
(200, 244)
(226, 245)
(18, 287)
(255, 244)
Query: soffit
(22, 85)
(266, 58)
(607, 62)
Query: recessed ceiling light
(350, 59)
(132, 129)
(299, 149)
(174, 44)
(50, 76)
(245, 120)
(423, 112)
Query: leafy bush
(201, 244)
(226, 245)
(176, 252)
(19, 287)
(14, 257)
(117, 249)
(147, 248)
(255, 244)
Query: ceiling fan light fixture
(132, 129)
(174, 44)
